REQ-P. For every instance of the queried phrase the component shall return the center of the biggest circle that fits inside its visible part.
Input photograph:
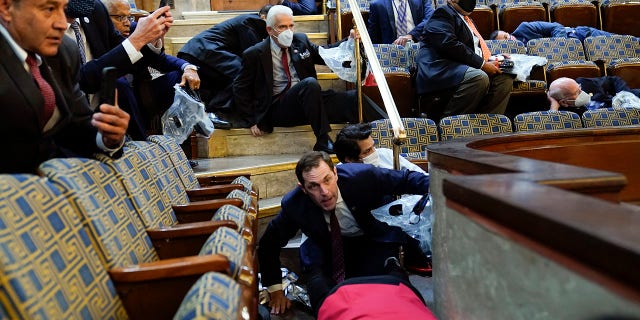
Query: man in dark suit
(346, 193)
(540, 29)
(300, 7)
(453, 57)
(218, 51)
(45, 114)
(104, 46)
(387, 25)
(278, 84)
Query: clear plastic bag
(185, 114)
(625, 99)
(293, 291)
(522, 65)
(341, 60)
(407, 220)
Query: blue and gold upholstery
(468, 125)
(546, 120)
(248, 202)
(517, 47)
(180, 161)
(619, 54)
(240, 217)
(213, 296)
(229, 243)
(105, 209)
(420, 132)
(392, 57)
(611, 117)
(49, 268)
(566, 58)
(573, 13)
(363, 5)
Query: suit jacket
(253, 88)
(220, 48)
(537, 29)
(363, 187)
(21, 122)
(301, 7)
(382, 21)
(446, 53)
(105, 43)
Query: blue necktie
(76, 30)
(401, 21)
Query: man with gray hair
(278, 84)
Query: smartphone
(162, 4)
(108, 88)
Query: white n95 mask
(285, 38)
(372, 159)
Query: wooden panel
(221, 5)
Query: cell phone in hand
(108, 88)
(162, 4)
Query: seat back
(619, 16)
(420, 133)
(104, 208)
(229, 243)
(557, 49)
(214, 296)
(611, 117)
(513, 12)
(546, 120)
(392, 57)
(179, 159)
(468, 125)
(573, 13)
(506, 47)
(49, 267)
(608, 48)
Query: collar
(21, 53)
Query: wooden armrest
(170, 268)
(212, 192)
(155, 290)
(221, 179)
(186, 239)
(201, 210)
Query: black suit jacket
(25, 144)
(446, 52)
(105, 43)
(363, 187)
(253, 88)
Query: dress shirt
(476, 41)
(385, 157)
(279, 77)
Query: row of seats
(616, 16)
(115, 239)
(421, 132)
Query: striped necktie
(401, 21)
(45, 88)
(76, 30)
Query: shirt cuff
(134, 55)
(158, 49)
(108, 150)
(274, 288)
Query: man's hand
(112, 122)
(491, 68)
(353, 34)
(255, 131)
(191, 76)
(278, 302)
(402, 40)
(151, 27)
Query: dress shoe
(217, 122)
(324, 143)
(193, 163)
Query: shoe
(324, 143)
(193, 164)
(392, 264)
(217, 122)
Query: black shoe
(217, 122)
(193, 163)
(324, 143)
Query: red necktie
(45, 88)
(336, 246)
(287, 72)
(486, 53)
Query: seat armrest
(212, 192)
(201, 210)
(220, 179)
(170, 268)
(186, 239)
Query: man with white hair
(278, 84)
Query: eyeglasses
(122, 18)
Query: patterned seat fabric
(49, 268)
(611, 117)
(213, 296)
(565, 55)
(105, 209)
(420, 132)
(363, 5)
(546, 120)
(247, 201)
(392, 57)
(180, 161)
(240, 217)
(611, 48)
(468, 125)
(529, 86)
(229, 243)
(506, 46)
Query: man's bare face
(321, 184)
(120, 13)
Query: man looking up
(46, 115)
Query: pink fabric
(374, 302)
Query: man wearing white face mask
(567, 93)
(278, 84)
(355, 144)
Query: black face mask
(79, 8)
(467, 5)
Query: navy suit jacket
(301, 7)
(363, 188)
(25, 145)
(382, 21)
(446, 53)
(253, 88)
(105, 43)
